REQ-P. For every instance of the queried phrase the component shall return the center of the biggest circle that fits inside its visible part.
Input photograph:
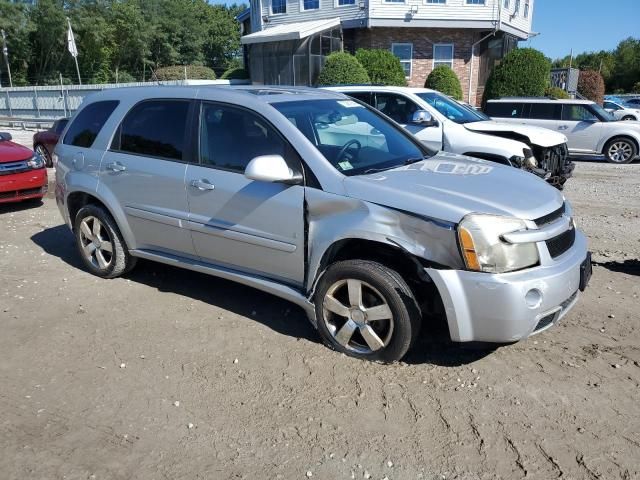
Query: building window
(440, 2)
(342, 3)
(507, 3)
(404, 51)
(394, 1)
(517, 9)
(475, 2)
(443, 54)
(310, 4)
(278, 6)
(526, 9)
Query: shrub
(556, 92)
(382, 66)
(124, 77)
(591, 85)
(176, 72)
(636, 88)
(522, 72)
(444, 80)
(341, 68)
(235, 73)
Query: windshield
(602, 113)
(353, 138)
(451, 109)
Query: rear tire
(620, 150)
(100, 243)
(366, 310)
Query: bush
(124, 77)
(382, 66)
(444, 80)
(235, 73)
(636, 88)
(591, 85)
(342, 68)
(556, 92)
(176, 72)
(522, 72)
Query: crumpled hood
(536, 135)
(12, 152)
(449, 186)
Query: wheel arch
(635, 141)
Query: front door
(581, 126)
(247, 225)
(401, 109)
(145, 169)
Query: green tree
(15, 21)
(47, 39)
(444, 79)
(382, 66)
(522, 72)
(342, 68)
(627, 67)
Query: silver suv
(318, 199)
(589, 128)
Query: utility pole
(5, 53)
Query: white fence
(51, 102)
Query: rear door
(145, 169)
(581, 126)
(246, 225)
(546, 115)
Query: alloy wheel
(96, 244)
(357, 316)
(620, 152)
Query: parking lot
(172, 374)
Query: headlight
(36, 162)
(529, 159)
(484, 250)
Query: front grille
(552, 159)
(9, 168)
(551, 217)
(19, 193)
(560, 244)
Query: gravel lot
(172, 374)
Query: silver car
(318, 199)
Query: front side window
(578, 113)
(395, 106)
(355, 139)
(310, 4)
(404, 51)
(601, 113)
(278, 7)
(155, 128)
(450, 108)
(442, 55)
(612, 106)
(231, 137)
(59, 125)
(86, 126)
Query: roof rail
(356, 85)
(531, 97)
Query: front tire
(100, 244)
(366, 310)
(620, 150)
(628, 117)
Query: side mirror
(6, 136)
(271, 168)
(424, 119)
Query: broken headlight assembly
(484, 250)
(36, 162)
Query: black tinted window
(231, 137)
(362, 96)
(397, 107)
(86, 126)
(155, 128)
(504, 109)
(545, 111)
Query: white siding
(328, 9)
(452, 10)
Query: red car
(44, 142)
(23, 175)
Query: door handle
(116, 167)
(563, 127)
(202, 184)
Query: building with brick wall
(468, 35)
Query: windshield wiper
(408, 161)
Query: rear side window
(504, 109)
(366, 97)
(86, 126)
(546, 111)
(154, 128)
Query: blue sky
(584, 25)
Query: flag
(5, 50)
(71, 42)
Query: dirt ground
(169, 374)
